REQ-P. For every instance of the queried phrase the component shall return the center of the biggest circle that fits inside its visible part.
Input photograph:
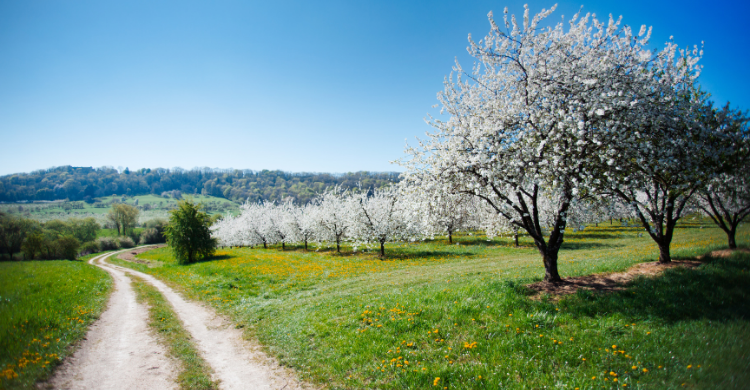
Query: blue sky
(323, 86)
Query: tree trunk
(515, 238)
(264, 245)
(664, 256)
(550, 268)
(282, 246)
(382, 250)
(730, 237)
(338, 245)
(305, 244)
(450, 236)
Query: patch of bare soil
(132, 254)
(605, 282)
(723, 253)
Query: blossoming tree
(535, 114)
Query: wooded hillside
(87, 183)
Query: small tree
(188, 233)
(123, 217)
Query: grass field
(152, 206)
(458, 316)
(45, 306)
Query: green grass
(113, 232)
(45, 307)
(195, 374)
(460, 313)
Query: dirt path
(237, 364)
(119, 351)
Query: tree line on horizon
(87, 183)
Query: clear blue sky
(320, 86)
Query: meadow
(458, 316)
(45, 307)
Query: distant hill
(87, 183)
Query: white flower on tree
(726, 198)
(534, 115)
(332, 216)
(438, 211)
(382, 217)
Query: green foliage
(85, 183)
(67, 247)
(188, 233)
(89, 247)
(45, 308)
(154, 232)
(461, 313)
(125, 242)
(108, 243)
(123, 217)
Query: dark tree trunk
(382, 250)
(338, 245)
(282, 246)
(550, 267)
(305, 244)
(264, 245)
(450, 236)
(664, 256)
(515, 238)
(730, 237)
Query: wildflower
(645, 370)
(690, 366)
(435, 382)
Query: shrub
(126, 242)
(89, 247)
(150, 236)
(67, 246)
(108, 243)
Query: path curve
(119, 350)
(236, 363)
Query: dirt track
(119, 351)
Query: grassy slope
(160, 204)
(461, 318)
(45, 306)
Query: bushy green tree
(123, 217)
(188, 233)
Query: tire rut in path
(236, 363)
(119, 350)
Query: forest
(87, 183)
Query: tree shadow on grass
(718, 290)
(213, 258)
(567, 245)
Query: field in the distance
(458, 316)
(151, 206)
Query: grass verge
(45, 307)
(195, 373)
(459, 317)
